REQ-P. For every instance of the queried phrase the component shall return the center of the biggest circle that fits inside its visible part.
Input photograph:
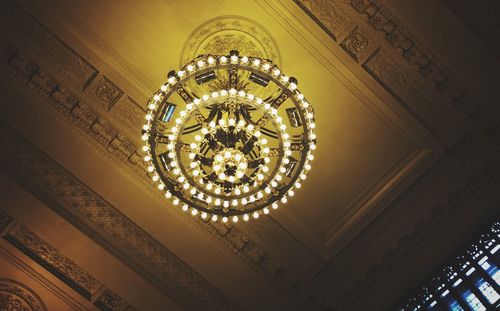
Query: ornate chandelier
(228, 137)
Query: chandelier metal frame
(213, 158)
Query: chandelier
(228, 137)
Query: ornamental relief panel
(15, 296)
(225, 33)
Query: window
(471, 281)
(488, 291)
(473, 301)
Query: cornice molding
(60, 266)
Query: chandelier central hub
(230, 165)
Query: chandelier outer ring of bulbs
(202, 65)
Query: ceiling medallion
(228, 137)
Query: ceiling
(406, 170)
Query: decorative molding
(104, 92)
(357, 44)
(108, 301)
(52, 260)
(222, 34)
(400, 44)
(113, 230)
(62, 267)
(406, 44)
(328, 15)
(407, 89)
(69, 104)
(15, 296)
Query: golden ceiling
(407, 166)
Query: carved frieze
(62, 267)
(328, 15)
(401, 42)
(53, 260)
(408, 90)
